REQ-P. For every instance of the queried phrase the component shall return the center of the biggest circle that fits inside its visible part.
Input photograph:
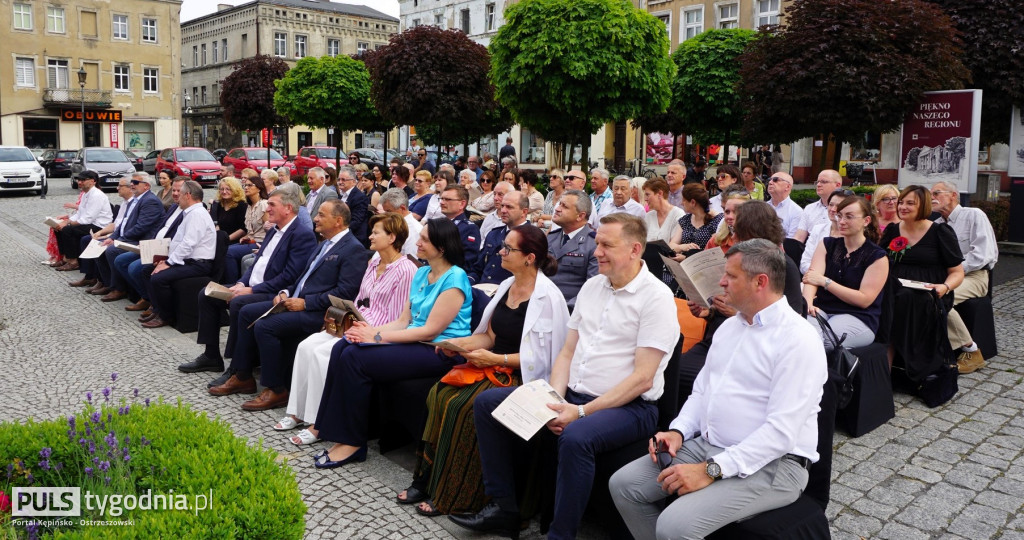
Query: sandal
(289, 423)
(304, 437)
(432, 512)
(412, 496)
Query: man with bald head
(817, 212)
(779, 187)
(493, 219)
(512, 210)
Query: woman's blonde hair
(237, 193)
(883, 191)
(723, 233)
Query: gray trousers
(857, 333)
(636, 493)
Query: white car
(19, 171)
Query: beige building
(685, 19)
(288, 29)
(127, 52)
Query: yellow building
(117, 60)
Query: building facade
(288, 29)
(117, 61)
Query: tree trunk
(337, 150)
(585, 158)
(836, 155)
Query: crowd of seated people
(574, 306)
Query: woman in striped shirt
(382, 296)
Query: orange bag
(467, 374)
(691, 327)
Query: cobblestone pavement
(952, 472)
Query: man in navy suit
(142, 220)
(357, 201)
(513, 211)
(279, 262)
(128, 265)
(454, 199)
(336, 268)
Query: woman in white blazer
(521, 331)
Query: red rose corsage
(898, 247)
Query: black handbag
(841, 361)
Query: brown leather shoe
(155, 322)
(268, 399)
(101, 291)
(95, 287)
(234, 385)
(146, 315)
(83, 283)
(114, 295)
(67, 267)
(141, 305)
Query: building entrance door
(92, 134)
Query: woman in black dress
(928, 254)
(228, 211)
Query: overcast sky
(191, 9)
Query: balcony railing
(75, 96)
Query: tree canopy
(434, 78)
(824, 71)
(993, 37)
(328, 92)
(247, 94)
(566, 68)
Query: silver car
(109, 163)
(19, 171)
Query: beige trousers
(975, 285)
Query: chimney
(222, 7)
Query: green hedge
(998, 214)
(169, 447)
(803, 197)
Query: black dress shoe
(202, 363)
(222, 379)
(491, 519)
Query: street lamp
(188, 111)
(81, 84)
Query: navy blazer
(288, 262)
(359, 205)
(470, 235)
(488, 267)
(163, 221)
(146, 219)
(339, 272)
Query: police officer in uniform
(513, 211)
(572, 244)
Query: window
(869, 147)
(464, 21)
(195, 56)
(150, 77)
(245, 44)
(361, 48)
(25, 71)
(767, 12)
(214, 52)
(215, 93)
(224, 49)
(202, 99)
(120, 26)
(121, 74)
(202, 49)
(333, 47)
(57, 73)
(666, 18)
(300, 46)
(439, 20)
(280, 44)
(489, 18)
(729, 16)
(22, 16)
(693, 22)
(195, 93)
(55, 20)
(149, 30)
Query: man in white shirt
(744, 440)
(493, 219)
(977, 242)
(610, 371)
(395, 200)
(93, 214)
(816, 213)
(600, 193)
(620, 201)
(279, 262)
(191, 254)
(779, 187)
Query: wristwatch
(579, 409)
(827, 283)
(713, 469)
(377, 338)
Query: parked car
(219, 154)
(149, 161)
(19, 171)
(109, 163)
(371, 157)
(252, 158)
(37, 152)
(195, 163)
(57, 162)
(290, 163)
(136, 160)
(317, 156)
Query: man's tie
(323, 251)
(565, 238)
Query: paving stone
(1001, 501)
(898, 531)
(864, 526)
(920, 473)
(922, 519)
(986, 514)
(972, 528)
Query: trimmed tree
(328, 92)
(247, 94)
(564, 69)
(437, 79)
(993, 40)
(823, 72)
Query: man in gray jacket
(572, 244)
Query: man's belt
(804, 462)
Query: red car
(195, 163)
(317, 156)
(253, 158)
